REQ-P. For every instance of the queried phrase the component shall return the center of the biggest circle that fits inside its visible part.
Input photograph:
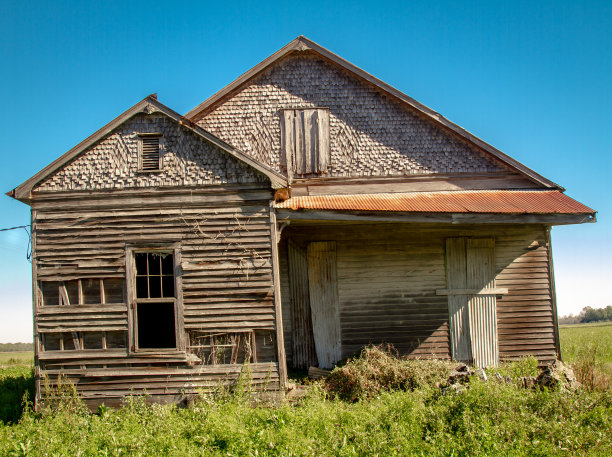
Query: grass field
(16, 358)
(487, 419)
(579, 339)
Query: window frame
(132, 301)
(160, 165)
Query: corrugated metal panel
(497, 201)
(482, 308)
(458, 311)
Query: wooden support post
(80, 292)
(278, 312)
(36, 302)
(553, 293)
(102, 295)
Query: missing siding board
(264, 346)
(50, 293)
(91, 291)
(88, 291)
(305, 140)
(224, 348)
(113, 290)
(116, 340)
(92, 340)
(149, 152)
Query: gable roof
(148, 105)
(302, 43)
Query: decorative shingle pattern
(371, 134)
(188, 160)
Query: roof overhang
(302, 43)
(514, 207)
(148, 105)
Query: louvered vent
(150, 153)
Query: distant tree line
(588, 314)
(16, 347)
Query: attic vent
(305, 139)
(149, 152)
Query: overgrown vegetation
(589, 350)
(378, 369)
(488, 418)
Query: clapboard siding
(172, 383)
(225, 270)
(388, 275)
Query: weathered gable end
(186, 160)
(371, 133)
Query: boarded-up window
(149, 152)
(305, 140)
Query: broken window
(155, 300)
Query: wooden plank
(278, 311)
(324, 303)
(553, 292)
(458, 310)
(288, 140)
(486, 291)
(304, 354)
(323, 140)
(309, 140)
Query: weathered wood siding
(388, 275)
(208, 208)
(371, 134)
(225, 269)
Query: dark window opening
(154, 275)
(156, 328)
(155, 319)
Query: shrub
(378, 368)
(16, 390)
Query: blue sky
(531, 78)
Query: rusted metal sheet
(458, 311)
(482, 308)
(479, 201)
(324, 306)
(304, 354)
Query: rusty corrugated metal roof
(471, 201)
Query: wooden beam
(553, 293)
(490, 291)
(278, 311)
(443, 218)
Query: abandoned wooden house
(302, 212)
